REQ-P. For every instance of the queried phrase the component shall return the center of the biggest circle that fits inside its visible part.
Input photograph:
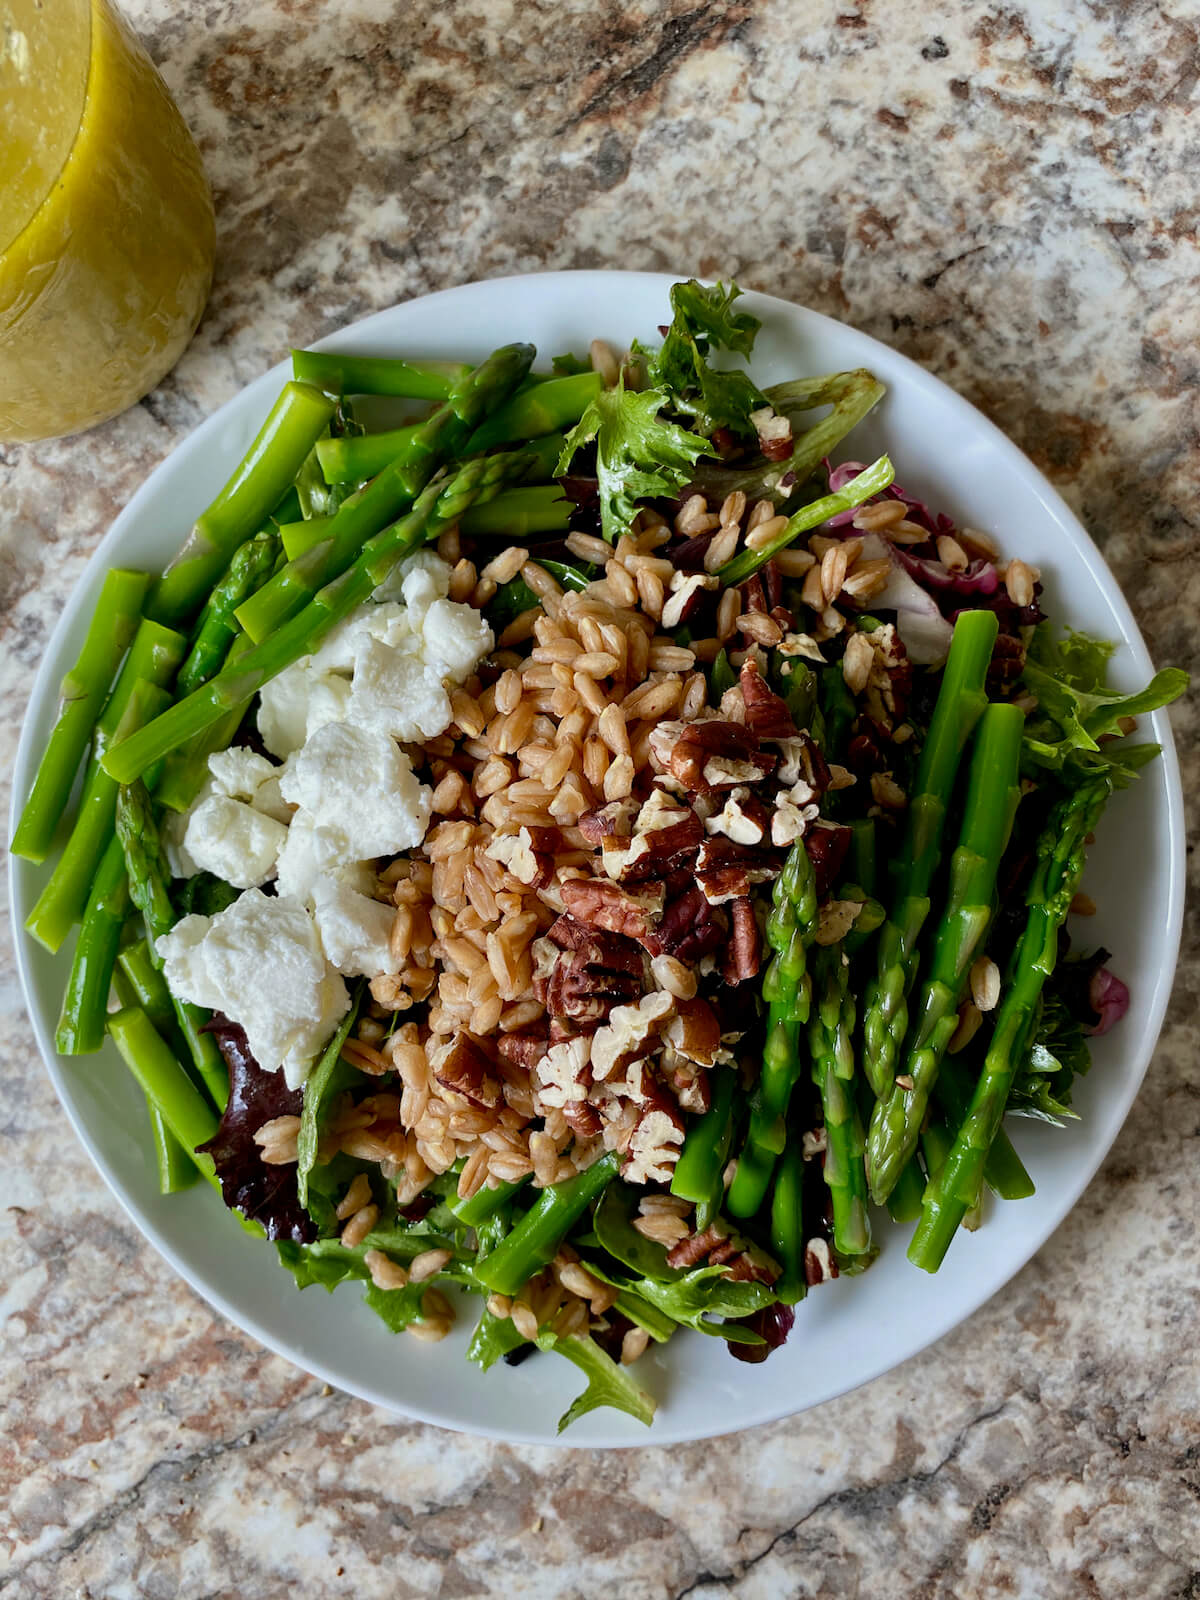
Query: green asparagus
(393, 491)
(787, 988)
(1060, 860)
(343, 374)
(249, 568)
(152, 661)
(871, 481)
(992, 794)
(82, 694)
(534, 1240)
(138, 834)
(831, 1043)
(960, 703)
(166, 1085)
(264, 476)
(441, 504)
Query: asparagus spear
(153, 657)
(698, 1172)
(992, 794)
(851, 394)
(166, 1085)
(1060, 860)
(787, 1222)
(81, 1023)
(442, 503)
(264, 475)
(831, 1034)
(175, 1168)
(869, 482)
(185, 769)
(138, 835)
(340, 374)
(545, 408)
(145, 983)
(960, 703)
(1005, 1172)
(534, 1240)
(248, 569)
(434, 443)
(81, 697)
(787, 988)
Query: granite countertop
(1007, 194)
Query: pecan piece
(465, 1069)
(767, 715)
(690, 1252)
(803, 762)
(655, 1142)
(582, 1119)
(695, 1031)
(827, 844)
(715, 754)
(689, 928)
(613, 821)
(527, 854)
(665, 835)
(726, 870)
(607, 905)
(522, 1049)
(744, 955)
(631, 1032)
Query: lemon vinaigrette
(106, 221)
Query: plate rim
(1057, 509)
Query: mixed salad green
(851, 1084)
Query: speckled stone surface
(1006, 193)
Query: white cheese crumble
(345, 795)
(260, 961)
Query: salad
(576, 848)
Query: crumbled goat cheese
(260, 961)
(233, 840)
(354, 928)
(361, 791)
(345, 794)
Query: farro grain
(1018, 580)
(504, 567)
(612, 728)
(618, 779)
(727, 614)
(508, 691)
(857, 662)
(733, 508)
(695, 692)
(449, 545)
(524, 1320)
(905, 532)
(356, 1197)
(761, 536)
(385, 1273)
(428, 1264)
(884, 514)
(985, 983)
(762, 629)
(721, 548)
(604, 362)
(542, 584)
(969, 1019)
(950, 553)
(813, 592)
(654, 700)
(596, 664)
(1082, 905)
(361, 1223)
(666, 656)
(430, 1330)
(633, 1345)
(868, 579)
(794, 563)
(462, 580)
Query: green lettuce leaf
(639, 455)
(1076, 709)
(690, 1297)
(1058, 1054)
(608, 1384)
(703, 320)
(493, 1337)
(326, 1081)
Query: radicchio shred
(774, 1323)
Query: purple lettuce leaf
(265, 1194)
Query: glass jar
(106, 220)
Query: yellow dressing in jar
(106, 222)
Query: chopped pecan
(654, 1145)
(631, 1032)
(613, 821)
(582, 1119)
(752, 597)
(818, 1262)
(726, 870)
(743, 818)
(695, 1031)
(563, 1075)
(744, 955)
(522, 1049)
(744, 1269)
(528, 854)
(802, 760)
(1007, 663)
(689, 928)
(609, 906)
(827, 844)
(691, 1251)
(690, 1085)
(666, 834)
(465, 1069)
(772, 582)
(714, 754)
(767, 715)
(688, 593)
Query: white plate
(849, 1331)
